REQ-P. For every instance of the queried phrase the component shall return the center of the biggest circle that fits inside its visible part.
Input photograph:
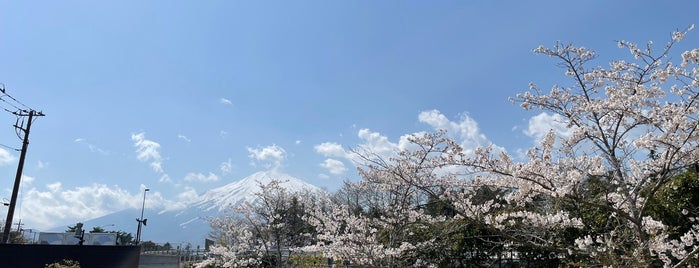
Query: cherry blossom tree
(374, 233)
(614, 190)
(584, 196)
(634, 127)
(399, 215)
(263, 232)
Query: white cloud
(323, 176)
(53, 206)
(56, 206)
(226, 167)
(465, 130)
(334, 166)
(6, 157)
(157, 201)
(297, 142)
(376, 143)
(404, 142)
(330, 149)
(273, 154)
(541, 124)
(147, 150)
(199, 177)
(188, 194)
(27, 180)
(372, 143)
(435, 119)
(225, 101)
(183, 137)
(54, 187)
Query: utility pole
(19, 225)
(20, 166)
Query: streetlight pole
(141, 221)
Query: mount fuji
(190, 225)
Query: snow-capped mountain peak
(191, 224)
(244, 190)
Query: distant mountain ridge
(191, 224)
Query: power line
(13, 106)
(4, 92)
(25, 106)
(8, 147)
(5, 101)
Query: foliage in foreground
(64, 264)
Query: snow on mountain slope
(244, 190)
(191, 224)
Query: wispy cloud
(199, 177)
(225, 101)
(93, 148)
(147, 151)
(165, 178)
(183, 137)
(41, 164)
(226, 167)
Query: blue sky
(184, 96)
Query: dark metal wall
(35, 255)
